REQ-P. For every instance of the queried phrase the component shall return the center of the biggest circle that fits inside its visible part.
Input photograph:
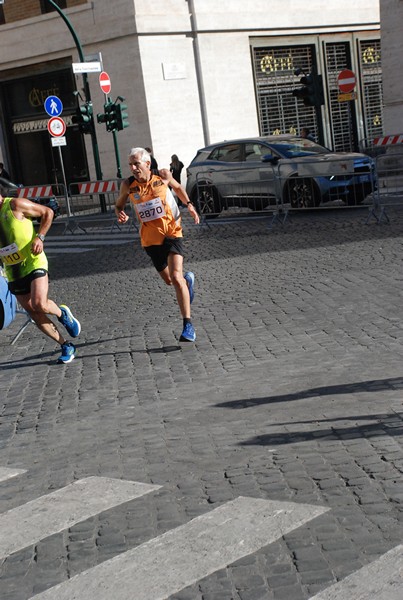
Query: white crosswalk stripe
(76, 244)
(181, 557)
(28, 524)
(380, 580)
(7, 473)
(166, 564)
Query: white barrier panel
(94, 197)
(388, 140)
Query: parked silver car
(262, 171)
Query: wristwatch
(40, 236)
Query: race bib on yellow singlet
(150, 210)
(10, 255)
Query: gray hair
(144, 155)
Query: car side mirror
(269, 158)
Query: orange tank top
(156, 210)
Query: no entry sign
(346, 81)
(105, 82)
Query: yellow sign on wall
(347, 97)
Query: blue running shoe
(72, 325)
(68, 353)
(188, 333)
(190, 280)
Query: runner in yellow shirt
(160, 227)
(26, 268)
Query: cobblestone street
(291, 394)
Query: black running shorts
(22, 286)
(159, 254)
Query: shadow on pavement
(227, 241)
(30, 361)
(374, 385)
(377, 428)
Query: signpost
(106, 86)
(56, 127)
(59, 141)
(86, 67)
(53, 106)
(105, 82)
(346, 81)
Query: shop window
(2, 19)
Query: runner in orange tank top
(160, 227)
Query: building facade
(391, 12)
(191, 72)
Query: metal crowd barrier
(389, 194)
(312, 183)
(92, 203)
(45, 192)
(273, 190)
(368, 147)
(236, 194)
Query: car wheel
(301, 193)
(207, 200)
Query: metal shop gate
(280, 112)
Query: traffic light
(318, 90)
(311, 91)
(121, 116)
(115, 116)
(83, 117)
(109, 117)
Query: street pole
(87, 92)
(117, 155)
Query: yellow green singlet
(16, 238)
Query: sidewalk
(292, 393)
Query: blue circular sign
(53, 106)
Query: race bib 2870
(150, 210)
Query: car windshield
(297, 147)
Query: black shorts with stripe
(159, 254)
(21, 287)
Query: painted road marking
(83, 243)
(7, 473)
(172, 561)
(90, 239)
(28, 524)
(380, 580)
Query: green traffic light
(311, 91)
(122, 116)
(83, 117)
(115, 115)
